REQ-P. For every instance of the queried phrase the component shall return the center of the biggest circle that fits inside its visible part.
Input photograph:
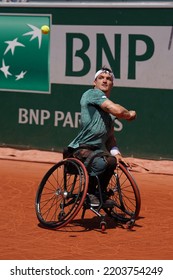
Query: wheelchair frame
(63, 192)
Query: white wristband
(114, 151)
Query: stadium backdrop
(42, 77)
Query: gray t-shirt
(96, 124)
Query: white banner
(141, 55)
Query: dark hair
(104, 68)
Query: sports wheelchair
(62, 193)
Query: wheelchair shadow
(93, 224)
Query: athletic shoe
(108, 203)
(93, 200)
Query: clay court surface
(21, 237)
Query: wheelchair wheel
(61, 193)
(123, 190)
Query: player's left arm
(111, 141)
(112, 147)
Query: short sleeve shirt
(96, 124)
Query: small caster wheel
(130, 224)
(103, 226)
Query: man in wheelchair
(96, 145)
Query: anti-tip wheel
(130, 224)
(103, 226)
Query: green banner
(24, 53)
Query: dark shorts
(98, 166)
(96, 161)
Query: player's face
(104, 82)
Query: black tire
(124, 192)
(61, 193)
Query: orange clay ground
(21, 238)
